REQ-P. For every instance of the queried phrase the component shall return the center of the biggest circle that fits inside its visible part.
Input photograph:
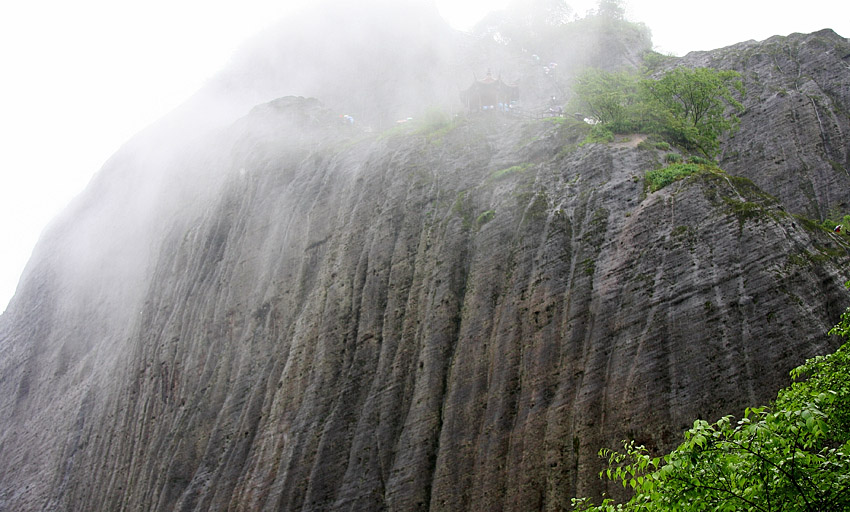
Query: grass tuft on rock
(660, 178)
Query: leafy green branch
(793, 455)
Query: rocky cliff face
(794, 134)
(448, 317)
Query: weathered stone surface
(313, 318)
(795, 133)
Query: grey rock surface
(293, 314)
(794, 141)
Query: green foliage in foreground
(793, 455)
(660, 178)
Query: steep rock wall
(448, 320)
(793, 139)
(290, 314)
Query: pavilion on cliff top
(489, 92)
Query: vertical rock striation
(445, 318)
(794, 134)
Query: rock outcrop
(795, 134)
(292, 314)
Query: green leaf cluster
(835, 219)
(690, 107)
(609, 97)
(791, 456)
(660, 178)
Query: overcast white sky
(79, 78)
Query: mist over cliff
(257, 305)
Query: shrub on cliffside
(792, 456)
(660, 178)
(695, 106)
(691, 107)
(608, 97)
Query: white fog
(81, 78)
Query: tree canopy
(608, 96)
(690, 107)
(545, 27)
(613, 9)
